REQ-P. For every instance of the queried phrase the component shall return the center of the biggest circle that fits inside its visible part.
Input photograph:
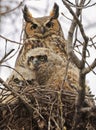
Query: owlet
(50, 69)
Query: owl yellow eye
(42, 58)
(34, 26)
(49, 24)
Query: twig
(77, 21)
(89, 68)
(49, 120)
(22, 98)
(5, 56)
(66, 16)
(88, 109)
(8, 11)
(80, 64)
(81, 7)
(70, 52)
(60, 105)
(10, 40)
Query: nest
(42, 108)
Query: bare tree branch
(80, 64)
(89, 68)
(83, 6)
(71, 32)
(5, 56)
(10, 40)
(3, 13)
(70, 38)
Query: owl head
(42, 56)
(43, 26)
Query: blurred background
(11, 26)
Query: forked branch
(79, 63)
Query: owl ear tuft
(26, 14)
(55, 12)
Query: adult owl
(43, 32)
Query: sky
(13, 27)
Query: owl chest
(52, 44)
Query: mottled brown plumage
(43, 32)
(44, 35)
(46, 68)
(50, 69)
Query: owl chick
(50, 69)
(41, 65)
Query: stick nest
(42, 108)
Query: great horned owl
(43, 32)
(50, 69)
(46, 30)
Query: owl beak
(35, 62)
(43, 30)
